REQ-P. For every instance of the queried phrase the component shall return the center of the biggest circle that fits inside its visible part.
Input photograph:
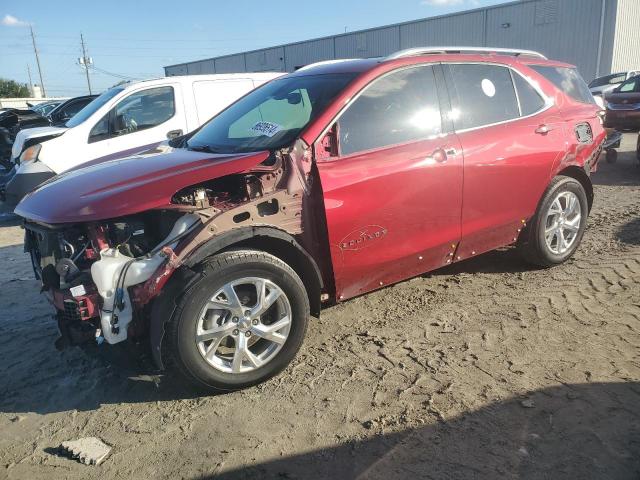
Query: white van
(123, 121)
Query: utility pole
(35, 49)
(85, 61)
(30, 81)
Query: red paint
(415, 200)
(98, 237)
(145, 292)
(123, 187)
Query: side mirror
(327, 146)
(294, 98)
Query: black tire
(638, 148)
(534, 247)
(179, 346)
(612, 156)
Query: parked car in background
(333, 181)
(11, 121)
(45, 108)
(601, 85)
(623, 105)
(14, 120)
(124, 120)
(63, 112)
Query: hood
(126, 186)
(33, 133)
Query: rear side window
(397, 108)
(568, 80)
(630, 86)
(612, 79)
(530, 101)
(484, 95)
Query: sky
(136, 38)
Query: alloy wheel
(563, 222)
(244, 325)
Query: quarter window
(397, 108)
(568, 80)
(484, 95)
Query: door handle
(174, 134)
(543, 129)
(439, 155)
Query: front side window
(397, 108)
(483, 95)
(144, 109)
(271, 116)
(568, 80)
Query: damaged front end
(103, 276)
(95, 275)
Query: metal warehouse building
(599, 36)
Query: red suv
(338, 179)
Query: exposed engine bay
(102, 276)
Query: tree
(13, 89)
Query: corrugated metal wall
(626, 51)
(567, 30)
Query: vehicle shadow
(588, 431)
(630, 232)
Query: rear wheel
(241, 323)
(612, 156)
(558, 226)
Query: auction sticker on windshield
(266, 128)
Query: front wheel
(240, 323)
(558, 226)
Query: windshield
(271, 116)
(92, 107)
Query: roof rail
(324, 62)
(410, 52)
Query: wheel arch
(267, 239)
(581, 176)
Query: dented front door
(393, 191)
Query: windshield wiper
(204, 148)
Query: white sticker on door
(488, 87)
(266, 128)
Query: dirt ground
(487, 369)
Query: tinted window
(73, 108)
(530, 100)
(630, 86)
(484, 95)
(397, 108)
(144, 109)
(568, 80)
(271, 116)
(93, 106)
